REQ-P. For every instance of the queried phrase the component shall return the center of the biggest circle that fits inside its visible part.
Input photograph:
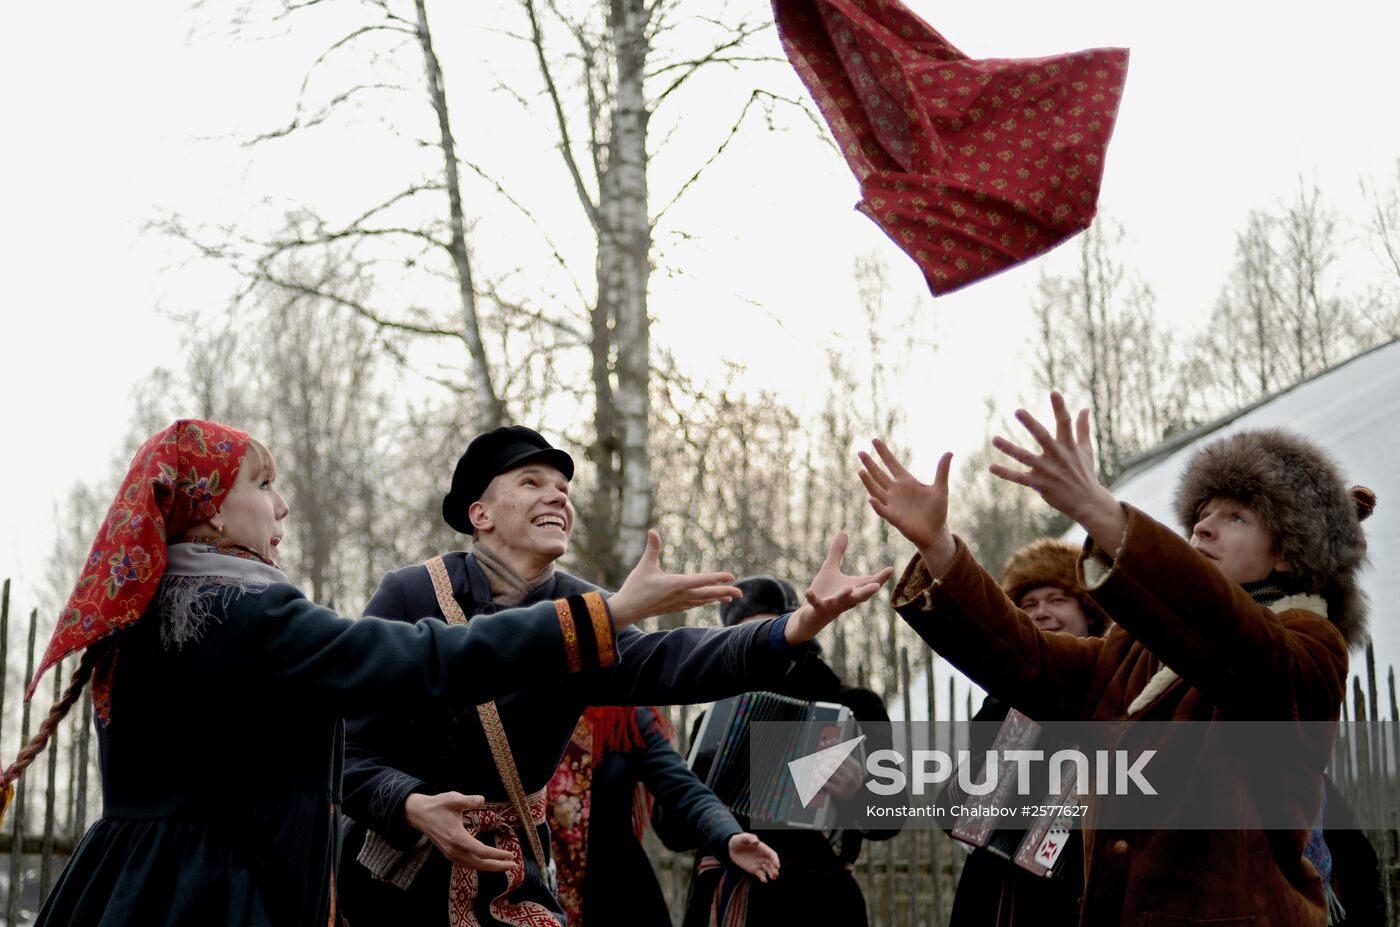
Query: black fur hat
(1297, 490)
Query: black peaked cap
(487, 457)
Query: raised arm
(1181, 606)
(379, 794)
(1211, 633)
(960, 610)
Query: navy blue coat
(393, 753)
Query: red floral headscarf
(970, 166)
(178, 478)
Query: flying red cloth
(970, 166)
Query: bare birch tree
(605, 68)
(1315, 317)
(316, 368)
(624, 76)
(412, 241)
(1243, 328)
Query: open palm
(915, 509)
(831, 593)
(754, 857)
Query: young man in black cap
(816, 884)
(450, 807)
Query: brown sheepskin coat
(1228, 658)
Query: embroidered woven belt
(501, 822)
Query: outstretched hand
(917, 510)
(754, 857)
(831, 593)
(1065, 473)
(649, 591)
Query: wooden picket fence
(909, 880)
(39, 835)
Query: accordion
(728, 741)
(1038, 846)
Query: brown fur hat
(1048, 562)
(1296, 489)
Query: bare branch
(754, 97)
(716, 55)
(664, 25)
(461, 258)
(502, 86)
(339, 44)
(289, 244)
(565, 145)
(326, 112)
(291, 9)
(592, 74)
(517, 310)
(1385, 218)
(359, 308)
(696, 63)
(392, 16)
(575, 26)
(525, 211)
(595, 117)
(396, 198)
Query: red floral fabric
(569, 792)
(601, 730)
(970, 166)
(178, 478)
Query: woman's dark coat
(221, 764)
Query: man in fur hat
(1042, 578)
(1249, 620)
(424, 849)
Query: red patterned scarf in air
(970, 166)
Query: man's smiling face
(526, 512)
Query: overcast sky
(103, 105)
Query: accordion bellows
(743, 748)
(970, 165)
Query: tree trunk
(622, 415)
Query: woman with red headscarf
(219, 691)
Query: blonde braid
(56, 714)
